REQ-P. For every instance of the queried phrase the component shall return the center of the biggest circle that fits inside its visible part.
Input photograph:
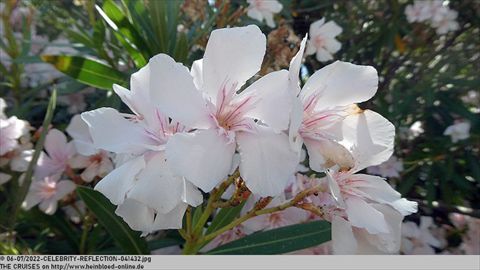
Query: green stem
(192, 244)
(257, 212)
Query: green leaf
(196, 214)
(159, 22)
(162, 243)
(27, 180)
(128, 240)
(164, 16)
(87, 71)
(125, 32)
(279, 241)
(224, 216)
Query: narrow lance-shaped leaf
(128, 240)
(27, 180)
(279, 241)
(87, 71)
(130, 38)
(224, 216)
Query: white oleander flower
(458, 131)
(250, 122)
(47, 192)
(322, 41)
(264, 10)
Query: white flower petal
(342, 84)
(202, 157)
(137, 215)
(48, 206)
(294, 69)
(371, 137)
(267, 161)
(118, 182)
(386, 242)
(233, 55)
(377, 189)
(112, 132)
(173, 90)
(197, 73)
(157, 187)
(64, 187)
(79, 131)
(343, 240)
(170, 220)
(329, 29)
(272, 91)
(55, 143)
(363, 215)
(191, 195)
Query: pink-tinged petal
(157, 187)
(203, 157)
(78, 130)
(197, 73)
(294, 69)
(330, 29)
(33, 198)
(314, 27)
(377, 189)
(79, 162)
(112, 132)
(267, 161)
(325, 153)
(90, 172)
(55, 143)
(341, 84)
(170, 220)
(137, 215)
(272, 92)
(384, 242)
(64, 187)
(118, 182)
(173, 91)
(48, 206)
(323, 55)
(232, 56)
(364, 215)
(343, 240)
(370, 136)
(332, 45)
(310, 49)
(191, 195)
(269, 19)
(255, 14)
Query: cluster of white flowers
(191, 129)
(434, 12)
